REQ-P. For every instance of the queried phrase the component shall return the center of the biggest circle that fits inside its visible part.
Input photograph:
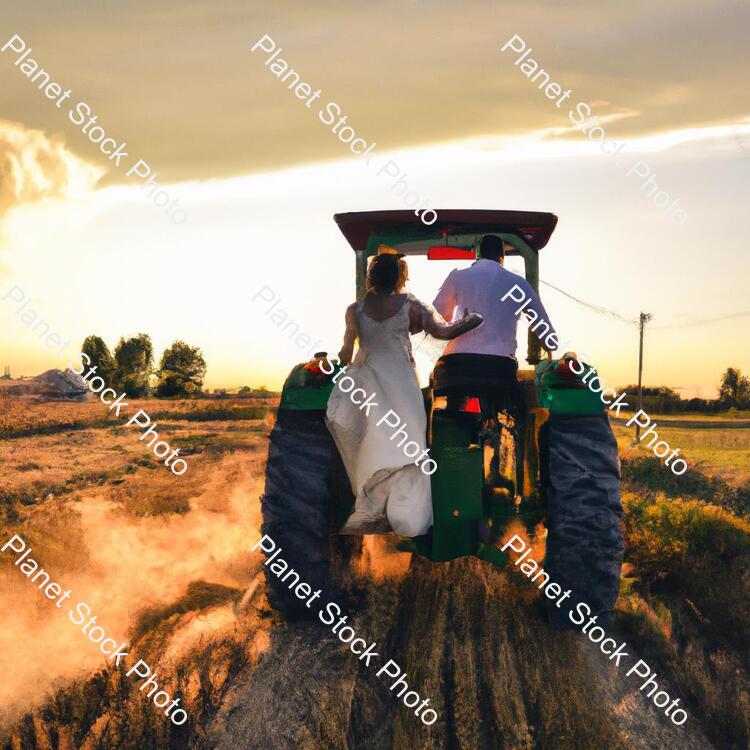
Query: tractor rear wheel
(303, 490)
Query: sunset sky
(260, 177)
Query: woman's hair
(387, 273)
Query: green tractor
(488, 474)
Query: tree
(660, 399)
(100, 356)
(181, 370)
(734, 389)
(246, 390)
(134, 360)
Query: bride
(392, 493)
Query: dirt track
(469, 639)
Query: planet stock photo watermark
(583, 119)
(331, 116)
(216, 533)
(82, 115)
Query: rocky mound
(54, 385)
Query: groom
(483, 362)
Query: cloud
(34, 167)
(179, 83)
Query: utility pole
(645, 317)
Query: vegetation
(181, 370)
(199, 595)
(107, 709)
(182, 367)
(734, 392)
(718, 460)
(261, 392)
(686, 604)
(670, 536)
(734, 389)
(101, 358)
(235, 411)
(660, 399)
(648, 474)
(134, 359)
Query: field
(719, 459)
(165, 564)
(109, 520)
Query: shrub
(698, 549)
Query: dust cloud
(127, 564)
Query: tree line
(734, 392)
(131, 368)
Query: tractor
(490, 472)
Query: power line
(611, 313)
(703, 321)
(596, 308)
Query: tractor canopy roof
(454, 228)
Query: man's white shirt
(480, 288)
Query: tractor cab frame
(472, 505)
(456, 232)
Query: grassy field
(21, 417)
(720, 453)
(731, 415)
(685, 591)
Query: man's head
(491, 248)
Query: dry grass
(686, 603)
(62, 448)
(726, 416)
(25, 417)
(20, 417)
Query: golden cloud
(34, 167)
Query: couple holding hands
(392, 493)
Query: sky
(259, 176)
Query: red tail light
(472, 405)
(446, 252)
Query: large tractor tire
(584, 513)
(298, 507)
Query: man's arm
(445, 301)
(542, 320)
(424, 318)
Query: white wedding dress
(383, 478)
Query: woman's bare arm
(350, 336)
